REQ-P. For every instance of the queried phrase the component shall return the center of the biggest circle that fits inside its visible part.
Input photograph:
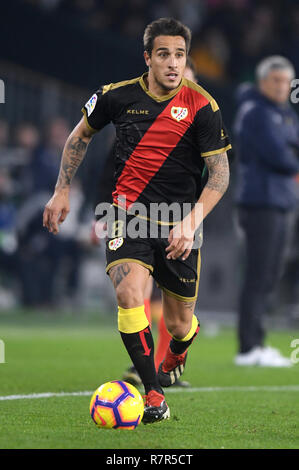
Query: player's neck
(155, 88)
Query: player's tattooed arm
(218, 172)
(73, 154)
(58, 206)
(181, 236)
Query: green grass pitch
(50, 353)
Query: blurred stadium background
(54, 54)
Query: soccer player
(104, 194)
(167, 128)
(163, 335)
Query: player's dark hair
(165, 27)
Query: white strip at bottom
(261, 388)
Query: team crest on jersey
(179, 113)
(115, 243)
(90, 105)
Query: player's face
(276, 86)
(166, 63)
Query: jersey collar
(159, 98)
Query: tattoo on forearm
(72, 157)
(218, 172)
(118, 273)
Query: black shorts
(176, 278)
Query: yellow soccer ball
(116, 405)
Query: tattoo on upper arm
(118, 273)
(218, 172)
(72, 157)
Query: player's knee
(128, 295)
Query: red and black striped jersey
(161, 142)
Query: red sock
(162, 342)
(147, 309)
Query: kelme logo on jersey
(90, 105)
(179, 113)
(115, 243)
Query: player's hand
(181, 239)
(56, 211)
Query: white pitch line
(45, 395)
(262, 388)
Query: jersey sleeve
(98, 110)
(211, 134)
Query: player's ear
(147, 58)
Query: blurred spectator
(267, 138)
(4, 134)
(25, 143)
(43, 260)
(46, 162)
(7, 217)
(8, 243)
(27, 136)
(12, 189)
